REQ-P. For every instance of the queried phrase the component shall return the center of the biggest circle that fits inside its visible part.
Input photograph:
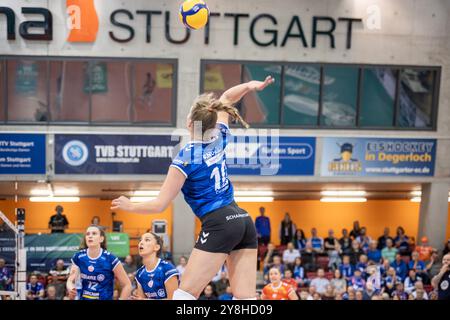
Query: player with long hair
(228, 233)
(96, 268)
(156, 279)
(277, 289)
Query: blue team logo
(150, 283)
(161, 293)
(100, 277)
(91, 268)
(75, 153)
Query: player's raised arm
(169, 190)
(236, 93)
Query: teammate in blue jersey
(200, 172)
(156, 279)
(95, 268)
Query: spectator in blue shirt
(6, 277)
(346, 268)
(373, 253)
(410, 281)
(35, 289)
(401, 269)
(227, 295)
(299, 273)
(262, 224)
(300, 240)
(362, 265)
(316, 242)
(419, 266)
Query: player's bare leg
(241, 266)
(202, 266)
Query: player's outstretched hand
(122, 203)
(261, 85)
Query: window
(416, 98)
(339, 97)
(301, 95)
(378, 97)
(68, 99)
(153, 92)
(2, 90)
(219, 77)
(262, 107)
(109, 84)
(27, 91)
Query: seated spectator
(316, 242)
(132, 278)
(6, 277)
(424, 250)
(218, 275)
(181, 267)
(399, 292)
(227, 295)
(359, 295)
(389, 252)
(384, 267)
(270, 253)
(276, 289)
(289, 279)
(309, 258)
(339, 296)
(275, 264)
(221, 285)
(434, 265)
(208, 293)
(329, 293)
(419, 266)
(51, 293)
(350, 294)
(419, 292)
(300, 240)
(373, 278)
(338, 282)
(401, 269)
(312, 291)
(35, 289)
(362, 265)
(346, 269)
(383, 239)
(290, 254)
(363, 239)
(333, 248)
(410, 281)
(345, 242)
(446, 248)
(129, 265)
(304, 295)
(355, 252)
(320, 282)
(369, 291)
(299, 273)
(390, 281)
(402, 242)
(374, 254)
(58, 278)
(357, 281)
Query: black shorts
(227, 229)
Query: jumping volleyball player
(199, 171)
(156, 279)
(96, 269)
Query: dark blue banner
(113, 154)
(270, 155)
(22, 154)
(378, 157)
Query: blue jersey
(35, 289)
(96, 275)
(153, 281)
(207, 186)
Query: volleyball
(194, 14)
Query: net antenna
(19, 288)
